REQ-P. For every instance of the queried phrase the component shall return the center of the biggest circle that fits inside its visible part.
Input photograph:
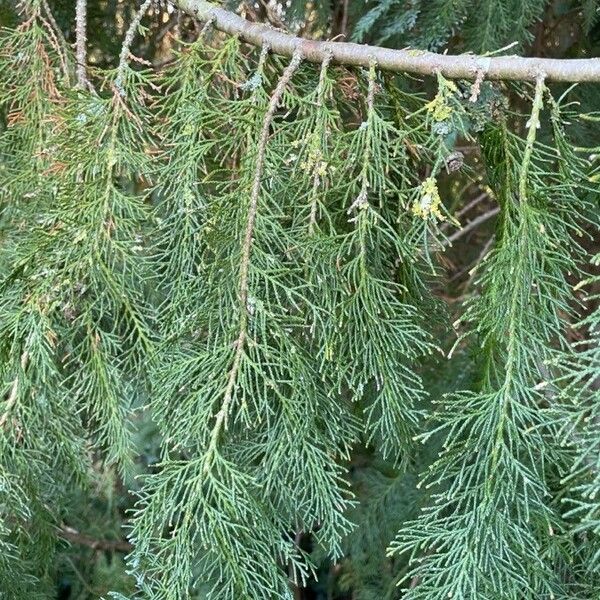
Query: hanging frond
(501, 447)
(227, 286)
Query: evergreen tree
(280, 316)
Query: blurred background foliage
(91, 562)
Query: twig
(465, 66)
(127, 41)
(472, 204)
(533, 125)
(73, 536)
(470, 226)
(57, 30)
(12, 396)
(80, 42)
(56, 44)
(363, 197)
(344, 25)
(465, 209)
(260, 161)
(317, 167)
(221, 417)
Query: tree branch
(57, 30)
(465, 66)
(80, 42)
(14, 389)
(73, 536)
(127, 42)
(344, 22)
(314, 204)
(471, 225)
(221, 417)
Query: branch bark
(81, 42)
(471, 225)
(127, 42)
(464, 66)
(73, 536)
(221, 417)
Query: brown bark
(465, 66)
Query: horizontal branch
(471, 225)
(464, 66)
(73, 536)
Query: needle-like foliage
(580, 417)
(72, 327)
(492, 527)
(249, 252)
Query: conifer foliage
(234, 262)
